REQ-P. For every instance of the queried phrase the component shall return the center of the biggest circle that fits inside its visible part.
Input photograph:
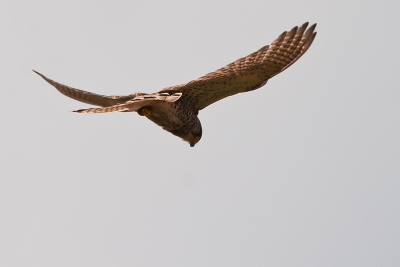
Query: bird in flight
(175, 108)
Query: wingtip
(312, 28)
(41, 75)
(300, 29)
(305, 24)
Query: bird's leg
(144, 111)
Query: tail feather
(134, 104)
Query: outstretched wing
(248, 73)
(131, 102)
(87, 97)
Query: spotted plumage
(175, 108)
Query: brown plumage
(175, 108)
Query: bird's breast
(173, 116)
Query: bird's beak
(195, 141)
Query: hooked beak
(195, 141)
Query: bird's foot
(144, 111)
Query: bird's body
(174, 117)
(175, 108)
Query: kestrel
(175, 108)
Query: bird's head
(194, 136)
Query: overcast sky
(302, 172)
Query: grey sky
(302, 172)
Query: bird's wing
(248, 73)
(135, 103)
(87, 97)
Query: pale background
(303, 172)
